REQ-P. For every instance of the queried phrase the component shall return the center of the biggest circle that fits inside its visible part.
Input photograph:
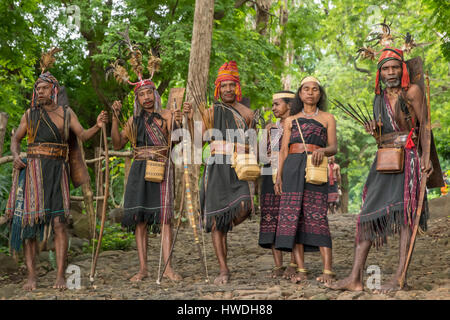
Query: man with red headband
(148, 203)
(390, 200)
(39, 198)
(225, 200)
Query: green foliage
(114, 238)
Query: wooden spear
(423, 185)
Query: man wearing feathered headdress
(39, 198)
(391, 197)
(225, 200)
(148, 203)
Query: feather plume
(48, 59)
(366, 53)
(153, 63)
(136, 62)
(119, 72)
(409, 43)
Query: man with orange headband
(39, 199)
(391, 200)
(225, 200)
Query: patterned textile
(147, 201)
(270, 203)
(40, 197)
(303, 206)
(333, 195)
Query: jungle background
(275, 44)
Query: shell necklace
(310, 115)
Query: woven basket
(154, 171)
(319, 174)
(246, 167)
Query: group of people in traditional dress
(293, 211)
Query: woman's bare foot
(277, 272)
(60, 283)
(327, 278)
(289, 272)
(141, 275)
(31, 284)
(223, 278)
(172, 275)
(346, 284)
(299, 275)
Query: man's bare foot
(60, 283)
(141, 275)
(31, 284)
(289, 272)
(345, 284)
(222, 278)
(391, 286)
(299, 275)
(172, 275)
(277, 272)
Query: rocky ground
(251, 266)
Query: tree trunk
(198, 73)
(3, 123)
(286, 78)
(262, 16)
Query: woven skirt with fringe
(222, 194)
(390, 201)
(147, 201)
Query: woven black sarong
(303, 206)
(222, 194)
(147, 201)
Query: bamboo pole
(99, 181)
(88, 198)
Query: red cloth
(228, 72)
(409, 142)
(387, 54)
(142, 83)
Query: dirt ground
(250, 265)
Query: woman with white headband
(303, 224)
(270, 202)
